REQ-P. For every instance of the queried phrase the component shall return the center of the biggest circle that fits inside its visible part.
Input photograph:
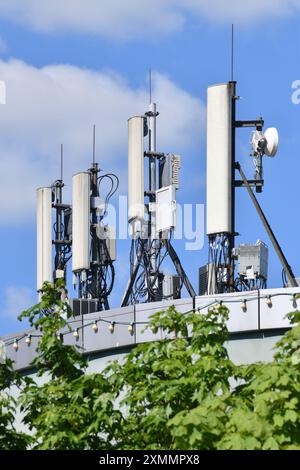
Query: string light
(111, 327)
(60, 337)
(269, 301)
(76, 333)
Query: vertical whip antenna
(150, 86)
(232, 51)
(61, 161)
(94, 145)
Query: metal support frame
(180, 271)
(62, 246)
(95, 285)
(228, 260)
(253, 183)
(275, 243)
(257, 123)
(152, 115)
(231, 236)
(58, 226)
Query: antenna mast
(94, 145)
(221, 174)
(94, 243)
(232, 51)
(151, 243)
(62, 225)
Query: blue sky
(68, 66)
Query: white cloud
(119, 19)
(16, 299)
(113, 18)
(238, 11)
(60, 103)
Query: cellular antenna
(232, 51)
(93, 241)
(151, 235)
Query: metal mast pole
(94, 193)
(231, 244)
(58, 185)
(152, 184)
(152, 114)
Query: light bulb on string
(76, 333)
(269, 301)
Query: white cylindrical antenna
(44, 237)
(219, 154)
(81, 222)
(136, 184)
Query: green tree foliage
(265, 409)
(71, 410)
(10, 439)
(181, 392)
(160, 380)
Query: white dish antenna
(265, 143)
(272, 140)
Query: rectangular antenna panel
(165, 209)
(136, 184)
(219, 159)
(44, 236)
(81, 222)
(169, 167)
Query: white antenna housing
(136, 184)
(165, 209)
(81, 222)
(219, 154)
(272, 138)
(265, 143)
(44, 236)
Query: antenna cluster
(151, 214)
(78, 231)
(219, 275)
